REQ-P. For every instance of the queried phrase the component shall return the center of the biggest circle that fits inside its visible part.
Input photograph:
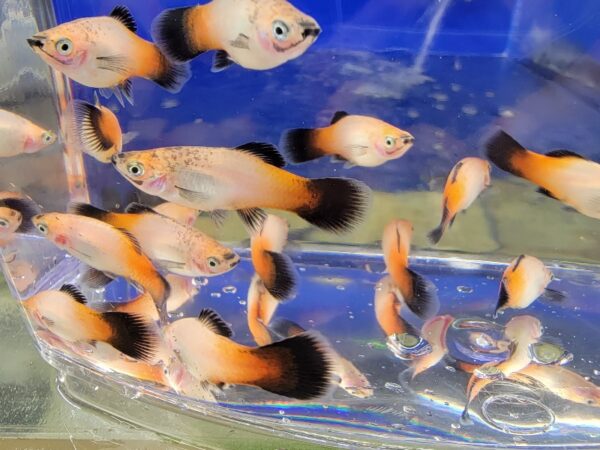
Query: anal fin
(221, 61)
(253, 218)
(95, 278)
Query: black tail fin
(171, 31)
(131, 334)
(298, 145)
(87, 210)
(282, 283)
(501, 148)
(339, 203)
(304, 363)
(88, 129)
(172, 76)
(26, 207)
(436, 234)
(424, 302)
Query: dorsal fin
(74, 293)
(123, 15)
(339, 115)
(564, 154)
(517, 262)
(138, 208)
(87, 210)
(547, 193)
(132, 239)
(455, 172)
(267, 152)
(214, 323)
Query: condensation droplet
(464, 289)
(596, 372)
(229, 289)
(469, 110)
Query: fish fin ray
(424, 302)
(114, 63)
(218, 216)
(285, 328)
(455, 170)
(95, 278)
(87, 124)
(502, 299)
(564, 154)
(339, 115)
(138, 208)
(132, 239)
(172, 76)
(87, 210)
(266, 152)
(211, 320)
(126, 89)
(283, 283)
(131, 334)
(74, 293)
(221, 61)
(253, 218)
(195, 186)
(123, 15)
(298, 145)
(554, 296)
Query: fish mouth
(407, 143)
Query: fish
(255, 35)
(275, 269)
(297, 367)
(108, 251)
(65, 313)
(177, 248)
(417, 293)
(97, 130)
(245, 179)
(467, 180)
(261, 308)
(105, 52)
(387, 310)
(433, 331)
(523, 281)
(560, 174)
(182, 214)
(24, 209)
(10, 221)
(359, 140)
(19, 135)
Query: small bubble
(169, 103)
(596, 372)
(506, 113)
(450, 369)
(469, 110)
(229, 289)
(397, 426)
(96, 388)
(439, 96)
(302, 269)
(339, 287)
(350, 317)
(409, 409)
(457, 64)
(285, 420)
(455, 426)
(215, 294)
(242, 302)
(464, 289)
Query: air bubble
(229, 289)
(506, 113)
(455, 87)
(215, 294)
(340, 287)
(243, 302)
(450, 369)
(464, 289)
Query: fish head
(284, 30)
(65, 47)
(214, 259)
(10, 220)
(38, 139)
(391, 142)
(53, 227)
(146, 170)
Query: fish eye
(135, 169)
(48, 137)
(4, 223)
(280, 30)
(64, 47)
(42, 228)
(212, 262)
(390, 141)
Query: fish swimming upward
(180, 249)
(17, 211)
(359, 140)
(19, 135)
(104, 52)
(298, 367)
(109, 251)
(245, 179)
(256, 35)
(64, 313)
(469, 177)
(560, 174)
(523, 281)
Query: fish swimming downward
(104, 52)
(19, 135)
(469, 177)
(109, 251)
(256, 35)
(560, 174)
(180, 249)
(523, 281)
(245, 179)
(358, 140)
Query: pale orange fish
(359, 140)
(183, 290)
(256, 35)
(434, 332)
(523, 281)
(97, 130)
(261, 308)
(245, 179)
(104, 52)
(64, 312)
(180, 249)
(411, 288)
(387, 309)
(275, 269)
(10, 221)
(297, 367)
(19, 135)
(469, 177)
(182, 214)
(560, 174)
(108, 251)
(16, 211)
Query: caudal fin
(281, 279)
(337, 204)
(172, 76)
(298, 145)
(436, 234)
(131, 334)
(424, 302)
(173, 32)
(502, 150)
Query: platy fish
(19, 135)
(359, 140)
(261, 308)
(523, 281)
(257, 35)
(16, 212)
(182, 214)
(387, 310)
(560, 174)
(245, 179)
(64, 312)
(180, 249)
(104, 52)
(108, 251)
(434, 332)
(469, 177)
(298, 367)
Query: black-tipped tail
(282, 282)
(26, 207)
(436, 234)
(424, 302)
(88, 129)
(305, 367)
(172, 33)
(172, 76)
(501, 149)
(131, 334)
(298, 145)
(339, 203)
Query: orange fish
(298, 367)
(19, 135)
(434, 332)
(182, 214)
(410, 288)
(110, 252)
(104, 52)
(65, 313)
(275, 269)
(256, 35)
(468, 178)
(523, 281)
(387, 310)
(359, 140)
(17, 210)
(245, 179)
(261, 308)
(560, 174)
